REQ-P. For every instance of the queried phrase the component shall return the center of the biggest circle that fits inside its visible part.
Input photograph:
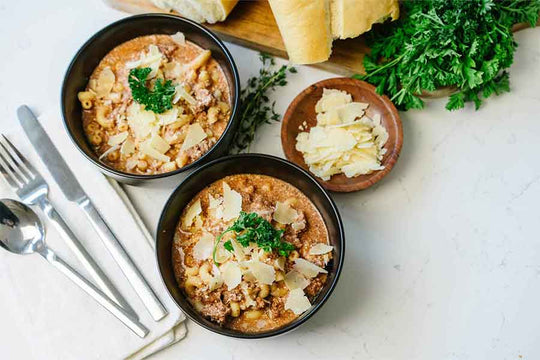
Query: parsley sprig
(252, 228)
(158, 99)
(463, 44)
(255, 108)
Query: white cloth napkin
(81, 319)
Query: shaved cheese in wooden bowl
(345, 140)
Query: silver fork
(30, 186)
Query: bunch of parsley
(255, 108)
(252, 228)
(462, 44)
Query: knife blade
(50, 155)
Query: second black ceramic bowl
(247, 164)
(91, 53)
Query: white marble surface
(442, 257)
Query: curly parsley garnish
(251, 228)
(463, 44)
(255, 108)
(158, 99)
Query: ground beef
(277, 307)
(232, 295)
(208, 297)
(216, 311)
(315, 285)
(260, 303)
(258, 204)
(204, 98)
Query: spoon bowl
(21, 230)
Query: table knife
(74, 192)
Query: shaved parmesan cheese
(105, 82)
(128, 148)
(232, 203)
(216, 280)
(349, 112)
(112, 149)
(179, 38)
(238, 251)
(181, 93)
(344, 140)
(215, 207)
(232, 275)
(198, 222)
(222, 255)
(204, 247)
(297, 302)
(147, 149)
(320, 249)
(168, 117)
(308, 269)
(213, 203)
(158, 143)
(330, 117)
(279, 263)
(264, 273)
(182, 255)
(117, 139)
(151, 59)
(295, 280)
(284, 213)
(195, 135)
(332, 98)
(194, 210)
(142, 122)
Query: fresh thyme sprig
(252, 228)
(255, 108)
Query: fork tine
(12, 163)
(24, 164)
(10, 177)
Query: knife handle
(103, 282)
(134, 276)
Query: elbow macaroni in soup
(250, 252)
(155, 104)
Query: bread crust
(305, 29)
(351, 18)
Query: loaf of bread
(210, 11)
(351, 18)
(305, 29)
(309, 26)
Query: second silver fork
(32, 189)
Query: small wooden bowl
(302, 109)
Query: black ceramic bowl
(250, 164)
(91, 53)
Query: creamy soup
(250, 252)
(154, 104)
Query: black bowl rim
(122, 22)
(297, 322)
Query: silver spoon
(21, 232)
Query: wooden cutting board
(251, 24)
